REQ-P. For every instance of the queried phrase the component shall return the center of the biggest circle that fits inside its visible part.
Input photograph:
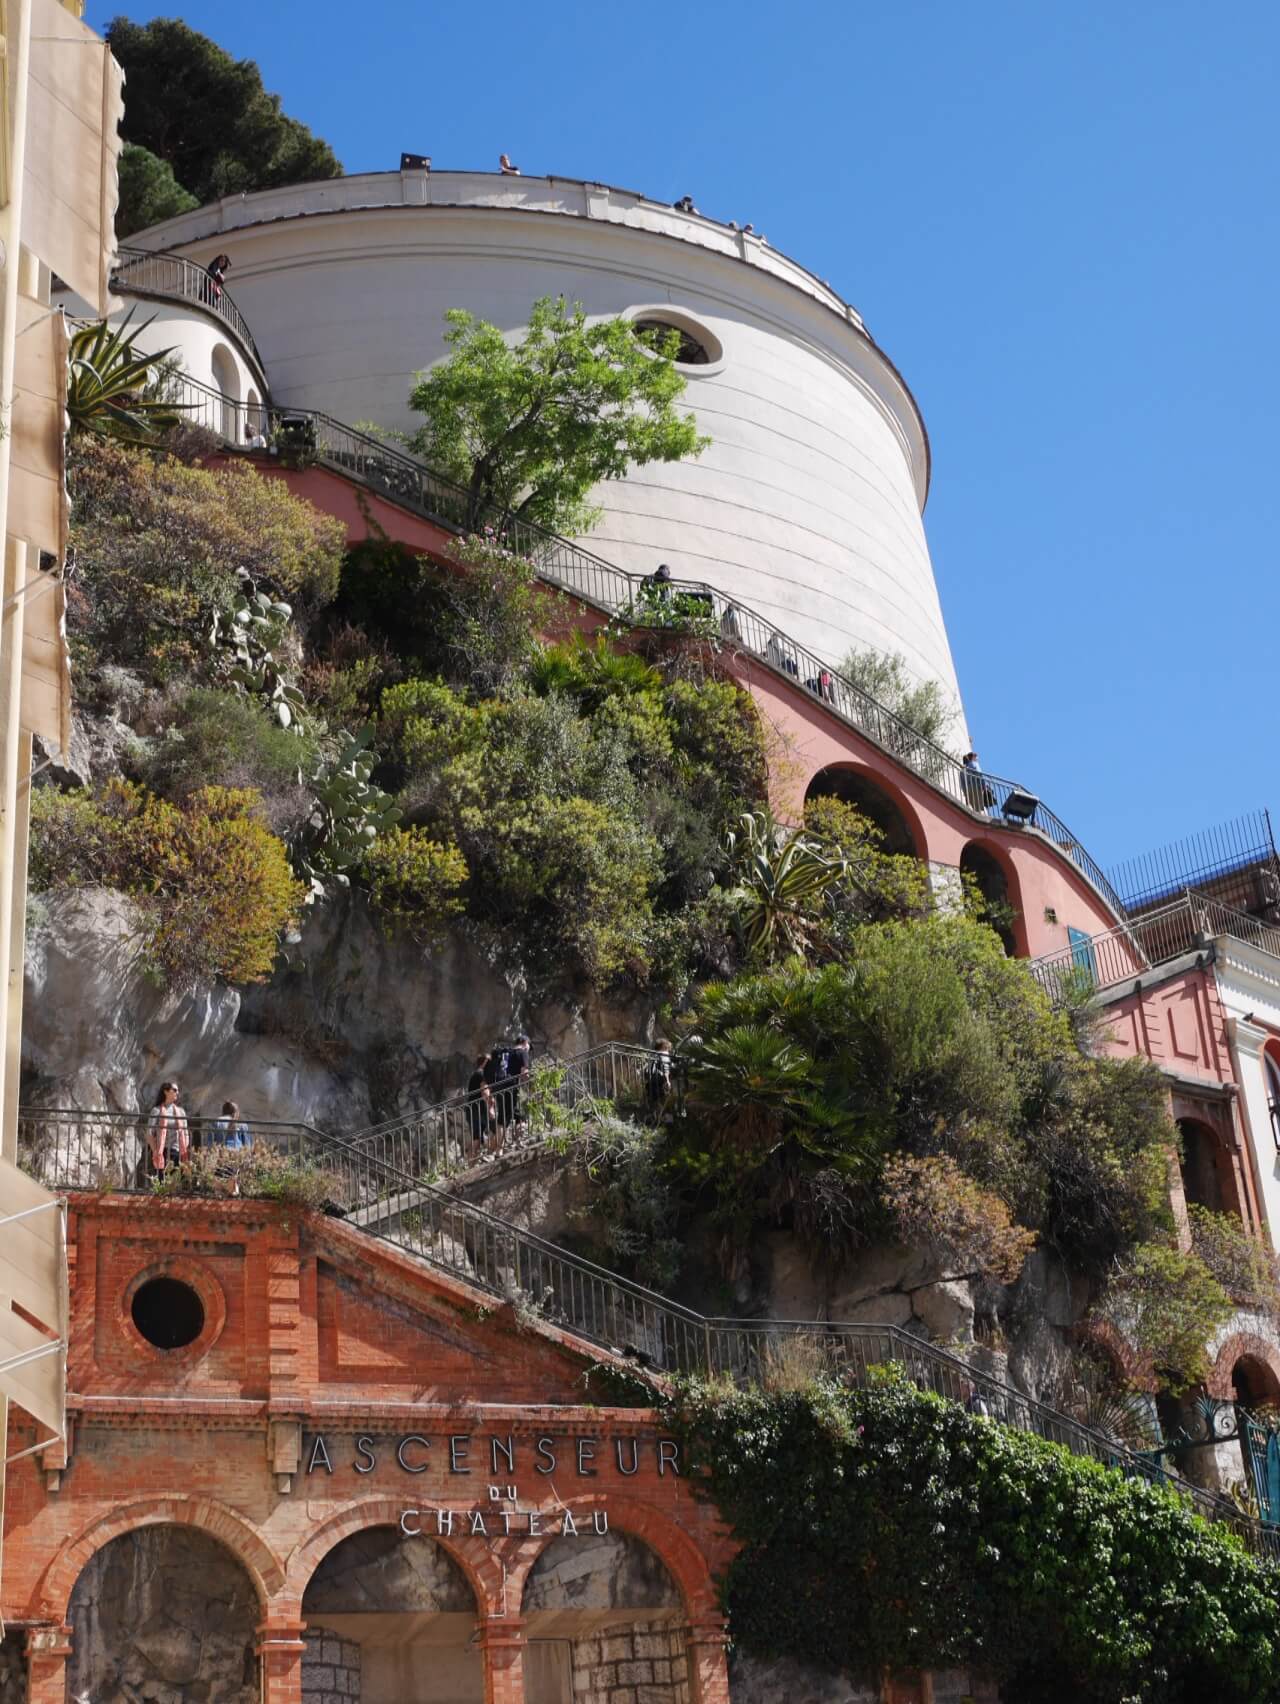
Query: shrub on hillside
(158, 543)
(925, 1041)
(218, 738)
(413, 882)
(212, 884)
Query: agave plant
(113, 386)
(783, 877)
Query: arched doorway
(861, 790)
(1256, 1392)
(1271, 1076)
(164, 1612)
(992, 882)
(603, 1605)
(253, 417)
(226, 378)
(398, 1616)
(1207, 1178)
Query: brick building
(362, 1477)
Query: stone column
(280, 1647)
(708, 1665)
(502, 1644)
(48, 1649)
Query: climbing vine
(885, 1527)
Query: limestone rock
(753, 1680)
(945, 1310)
(355, 1028)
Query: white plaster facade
(1249, 986)
(807, 506)
(207, 349)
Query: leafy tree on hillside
(149, 192)
(532, 426)
(206, 116)
(884, 676)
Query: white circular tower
(806, 507)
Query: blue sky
(1061, 222)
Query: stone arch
(628, 1577)
(879, 801)
(253, 416)
(160, 1607)
(226, 378)
(610, 1609)
(997, 882)
(1130, 1364)
(483, 1573)
(1260, 1360)
(213, 1519)
(1271, 1082)
(669, 1542)
(1208, 1176)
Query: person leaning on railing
(976, 791)
(214, 273)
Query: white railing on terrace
(139, 272)
(1153, 938)
(304, 437)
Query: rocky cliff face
(353, 1029)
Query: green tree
(884, 676)
(149, 192)
(207, 115)
(530, 427)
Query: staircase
(374, 1179)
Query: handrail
(588, 1301)
(454, 1134)
(1150, 939)
(143, 273)
(307, 436)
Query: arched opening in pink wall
(862, 790)
(1208, 1178)
(998, 885)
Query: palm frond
(113, 387)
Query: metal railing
(1227, 859)
(450, 1137)
(142, 273)
(307, 437)
(68, 1149)
(1149, 939)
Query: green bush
(222, 738)
(1168, 1304)
(887, 1528)
(212, 884)
(158, 544)
(925, 1040)
(413, 881)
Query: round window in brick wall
(168, 1313)
(172, 1311)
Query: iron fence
(142, 273)
(1236, 860)
(1148, 939)
(455, 1134)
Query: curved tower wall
(807, 504)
